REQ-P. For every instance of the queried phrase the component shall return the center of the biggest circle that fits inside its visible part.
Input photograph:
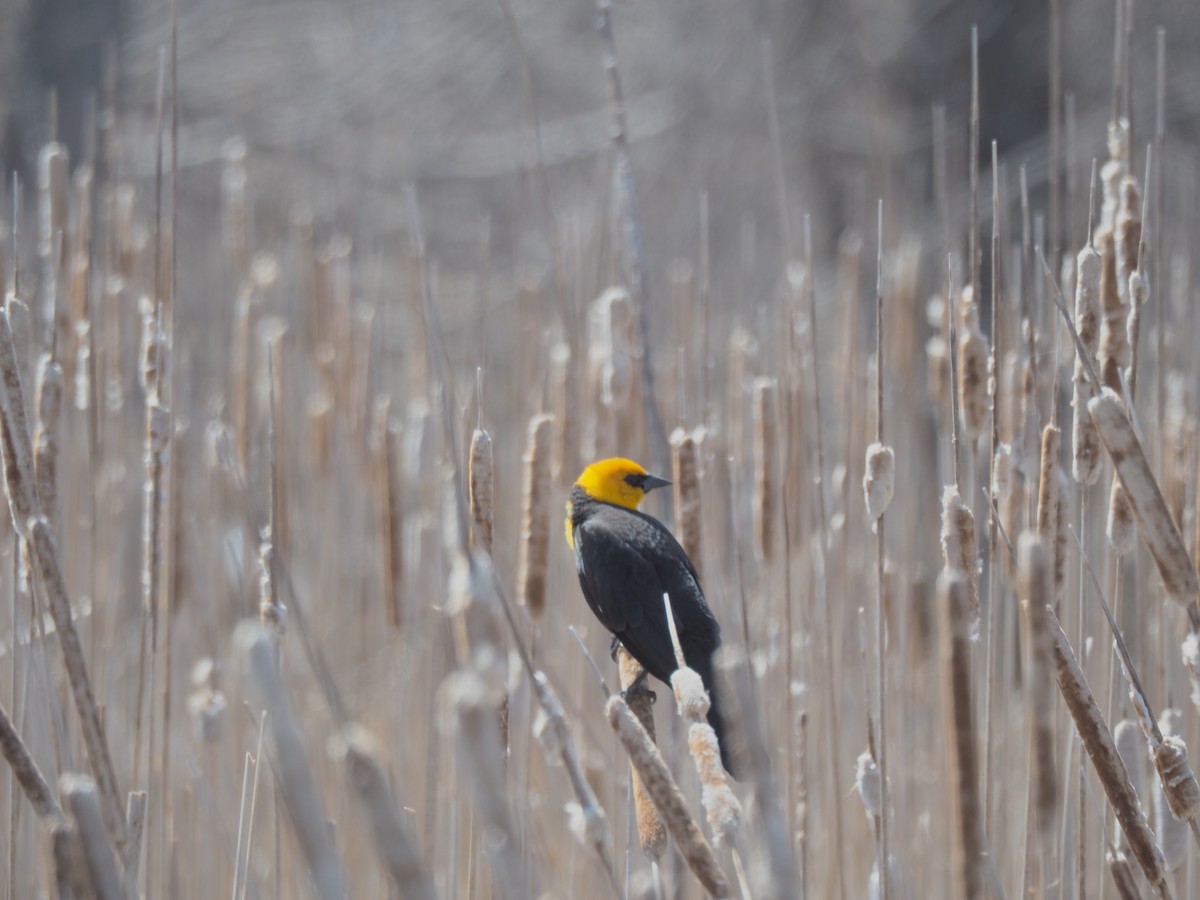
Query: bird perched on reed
(626, 561)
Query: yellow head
(619, 481)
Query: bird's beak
(653, 481)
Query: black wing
(626, 563)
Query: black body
(626, 561)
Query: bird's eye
(634, 479)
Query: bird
(626, 561)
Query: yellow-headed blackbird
(626, 561)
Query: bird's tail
(704, 668)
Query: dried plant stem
(533, 559)
(83, 802)
(27, 773)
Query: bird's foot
(639, 688)
(614, 647)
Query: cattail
(1191, 661)
(394, 842)
(533, 556)
(692, 699)
(685, 471)
(14, 435)
(879, 480)
(1170, 828)
(293, 771)
(206, 703)
(1036, 593)
(1127, 737)
(959, 617)
(319, 409)
(1062, 536)
(48, 405)
(972, 368)
(612, 327)
(663, 790)
(1158, 528)
(562, 409)
(1121, 528)
(83, 802)
(1098, 742)
(391, 524)
(25, 770)
(1127, 235)
(1122, 875)
(479, 483)
(242, 350)
(1047, 504)
(766, 442)
(958, 549)
(1139, 296)
(235, 218)
(652, 834)
(1113, 352)
(82, 382)
(114, 372)
(938, 371)
(1085, 442)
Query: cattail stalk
(533, 557)
(26, 770)
(396, 846)
(83, 801)
(958, 549)
(48, 404)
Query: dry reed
(766, 473)
(479, 479)
(1037, 593)
(82, 801)
(685, 471)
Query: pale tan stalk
(957, 612)
(534, 550)
(293, 772)
(479, 482)
(766, 474)
(319, 409)
(685, 471)
(1158, 529)
(663, 790)
(135, 815)
(1037, 593)
(396, 846)
(652, 833)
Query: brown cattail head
(1047, 505)
(1085, 442)
(958, 549)
(685, 469)
(1127, 234)
(479, 478)
(767, 489)
(652, 834)
(972, 369)
(533, 555)
(1113, 352)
